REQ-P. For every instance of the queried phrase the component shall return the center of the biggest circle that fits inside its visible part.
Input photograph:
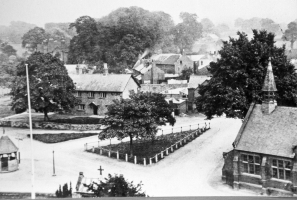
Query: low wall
(50, 125)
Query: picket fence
(96, 148)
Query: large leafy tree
(137, 117)
(115, 186)
(207, 25)
(269, 25)
(34, 37)
(188, 31)
(51, 88)
(238, 76)
(291, 33)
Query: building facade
(264, 155)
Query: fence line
(150, 160)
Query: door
(4, 164)
(95, 110)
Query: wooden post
(86, 146)
(151, 161)
(135, 160)
(93, 149)
(118, 155)
(172, 130)
(162, 132)
(156, 158)
(181, 129)
(209, 125)
(171, 148)
(126, 157)
(161, 154)
(176, 145)
(144, 161)
(109, 153)
(190, 127)
(166, 151)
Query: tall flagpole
(31, 136)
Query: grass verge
(60, 137)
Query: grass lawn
(144, 148)
(60, 137)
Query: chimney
(269, 103)
(105, 69)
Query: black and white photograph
(158, 98)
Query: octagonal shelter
(9, 159)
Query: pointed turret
(269, 102)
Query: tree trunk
(131, 146)
(45, 111)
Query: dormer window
(91, 94)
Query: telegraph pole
(31, 135)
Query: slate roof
(203, 71)
(272, 134)
(99, 82)
(194, 81)
(166, 59)
(6, 145)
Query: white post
(31, 135)
(135, 160)
(167, 151)
(108, 153)
(176, 145)
(161, 154)
(126, 157)
(171, 148)
(117, 154)
(151, 161)
(156, 158)
(100, 151)
(144, 161)
(93, 149)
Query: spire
(269, 84)
(269, 87)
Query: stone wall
(51, 125)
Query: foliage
(207, 25)
(220, 28)
(137, 117)
(291, 33)
(238, 76)
(65, 192)
(269, 25)
(34, 37)
(51, 88)
(115, 186)
(187, 32)
(186, 73)
(7, 49)
(60, 137)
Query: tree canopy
(291, 33)
(51, 88)
(238, 76)
(138, 117)
(34, 37)
(115, 186)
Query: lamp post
(31, 135)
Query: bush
(78, 120)
(65, 192)
(60, 137)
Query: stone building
(147, 73)
(9, 157)
(97, 91)
(54, 47)
(193, 88)
(264, 155)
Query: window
(102, 94)
(201, 62)
(281, 169)
(81, 107)
(91, 94)
(251, 164)
(78, 94)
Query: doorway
(95, 109)
(4, 164)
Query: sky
(40, 12)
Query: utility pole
(31, 135)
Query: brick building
(96, 91)
(264, 155)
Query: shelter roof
(6, 145)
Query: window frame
(102, 95)
(248, 166)
(79, 94)
(91, 95)
(283, 167)
(81, 107)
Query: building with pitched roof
(54, 47)
(264, 155)
(193, 89)
(97, 91)
(9, 160)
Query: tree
(291, 33)
(207, 25)
(7, 49)
(34, 37)
(65, 193)
(238, 76)
(137, 117)
(220, 28)
(269, 25)
(51, 88)
(186, 73)
(115, 186)
(187, 32)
